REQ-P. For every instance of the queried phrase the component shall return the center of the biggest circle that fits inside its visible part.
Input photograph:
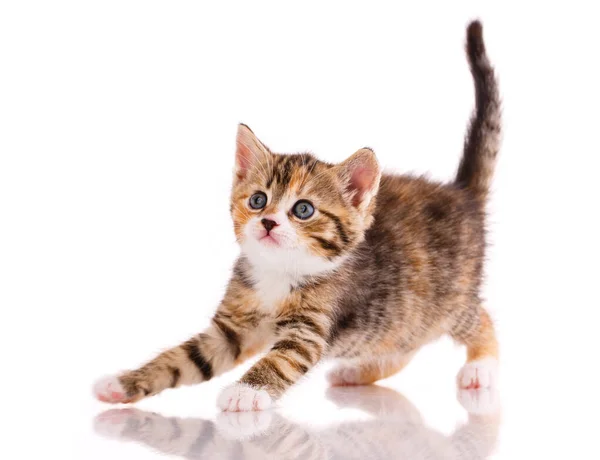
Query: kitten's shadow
(396, 430)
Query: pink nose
(269, 224)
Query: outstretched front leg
(234, 335)
(301, 341)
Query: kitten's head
(294, 212)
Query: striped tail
(483, 137)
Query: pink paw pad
(110, 390)
(473, 382)
(482, 373)
(242, 398)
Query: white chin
(273, 257)
(270, 242)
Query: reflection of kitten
(396, 431)
(341, 261)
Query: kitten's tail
(482, 141)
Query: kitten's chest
(272, 288)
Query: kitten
(342, 261)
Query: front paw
(119, 389)
(109, 389)
(242, 398)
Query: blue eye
(303, 209)
(258, 200)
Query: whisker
(310, 172)
(241, 210)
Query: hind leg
(476, 330)
(365, 372)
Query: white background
(117, 125)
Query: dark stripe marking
(338, 224)
(232, 337)
(278, 372)
(195, 355)
(295, 364)
(175, 376)
(285, 171)
(301, 320)
(327, 245)
(286, 344)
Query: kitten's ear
(249, 152)
(361, 175)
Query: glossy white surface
(117, 125)
(389, 426)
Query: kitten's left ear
(249, 152)
(361, 174)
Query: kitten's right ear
(361, 174)
(249, 153)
